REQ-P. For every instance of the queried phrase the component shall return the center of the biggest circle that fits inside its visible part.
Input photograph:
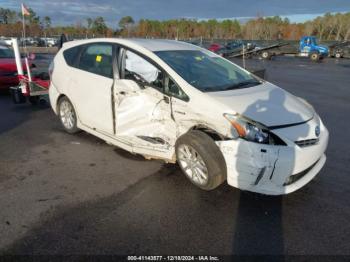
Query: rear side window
(97, 59)
(70, 55)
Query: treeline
(36, 26)
(327, 27)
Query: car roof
(163, 44)
(153, 45)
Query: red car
(8, 68)
(215, 47)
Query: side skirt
(148, 150)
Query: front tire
(315, 57)
(266, 55)
(67, 115)
(201, 160)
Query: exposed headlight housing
(249, 129)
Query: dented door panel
(143, 116)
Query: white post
(17, 56)
(28, 70)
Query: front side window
(97, 59)
(206, 71)
(140, 70)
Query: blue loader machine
(308, 47)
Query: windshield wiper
(243, 84)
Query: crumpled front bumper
(273, 169)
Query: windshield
(206, 71)
(6, 53)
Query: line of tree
(11, 25)
(326, 27)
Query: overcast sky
(69, 12)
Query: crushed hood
(265, 103)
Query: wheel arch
(57, 101)
(212, 133)
(216, 136)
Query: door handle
(122, 93)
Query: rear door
(90, 87)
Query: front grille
(307, 142)
(296, 177)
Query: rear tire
(201, 160)
(338, 55)
(67, 115)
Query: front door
(91, 87)
(143, 114)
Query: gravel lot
(74, 194)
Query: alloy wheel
(192, 164)
(67, 114)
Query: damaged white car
(181, 103)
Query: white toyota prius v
(181, 103)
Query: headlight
(248, 129)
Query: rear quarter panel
(60, 79)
